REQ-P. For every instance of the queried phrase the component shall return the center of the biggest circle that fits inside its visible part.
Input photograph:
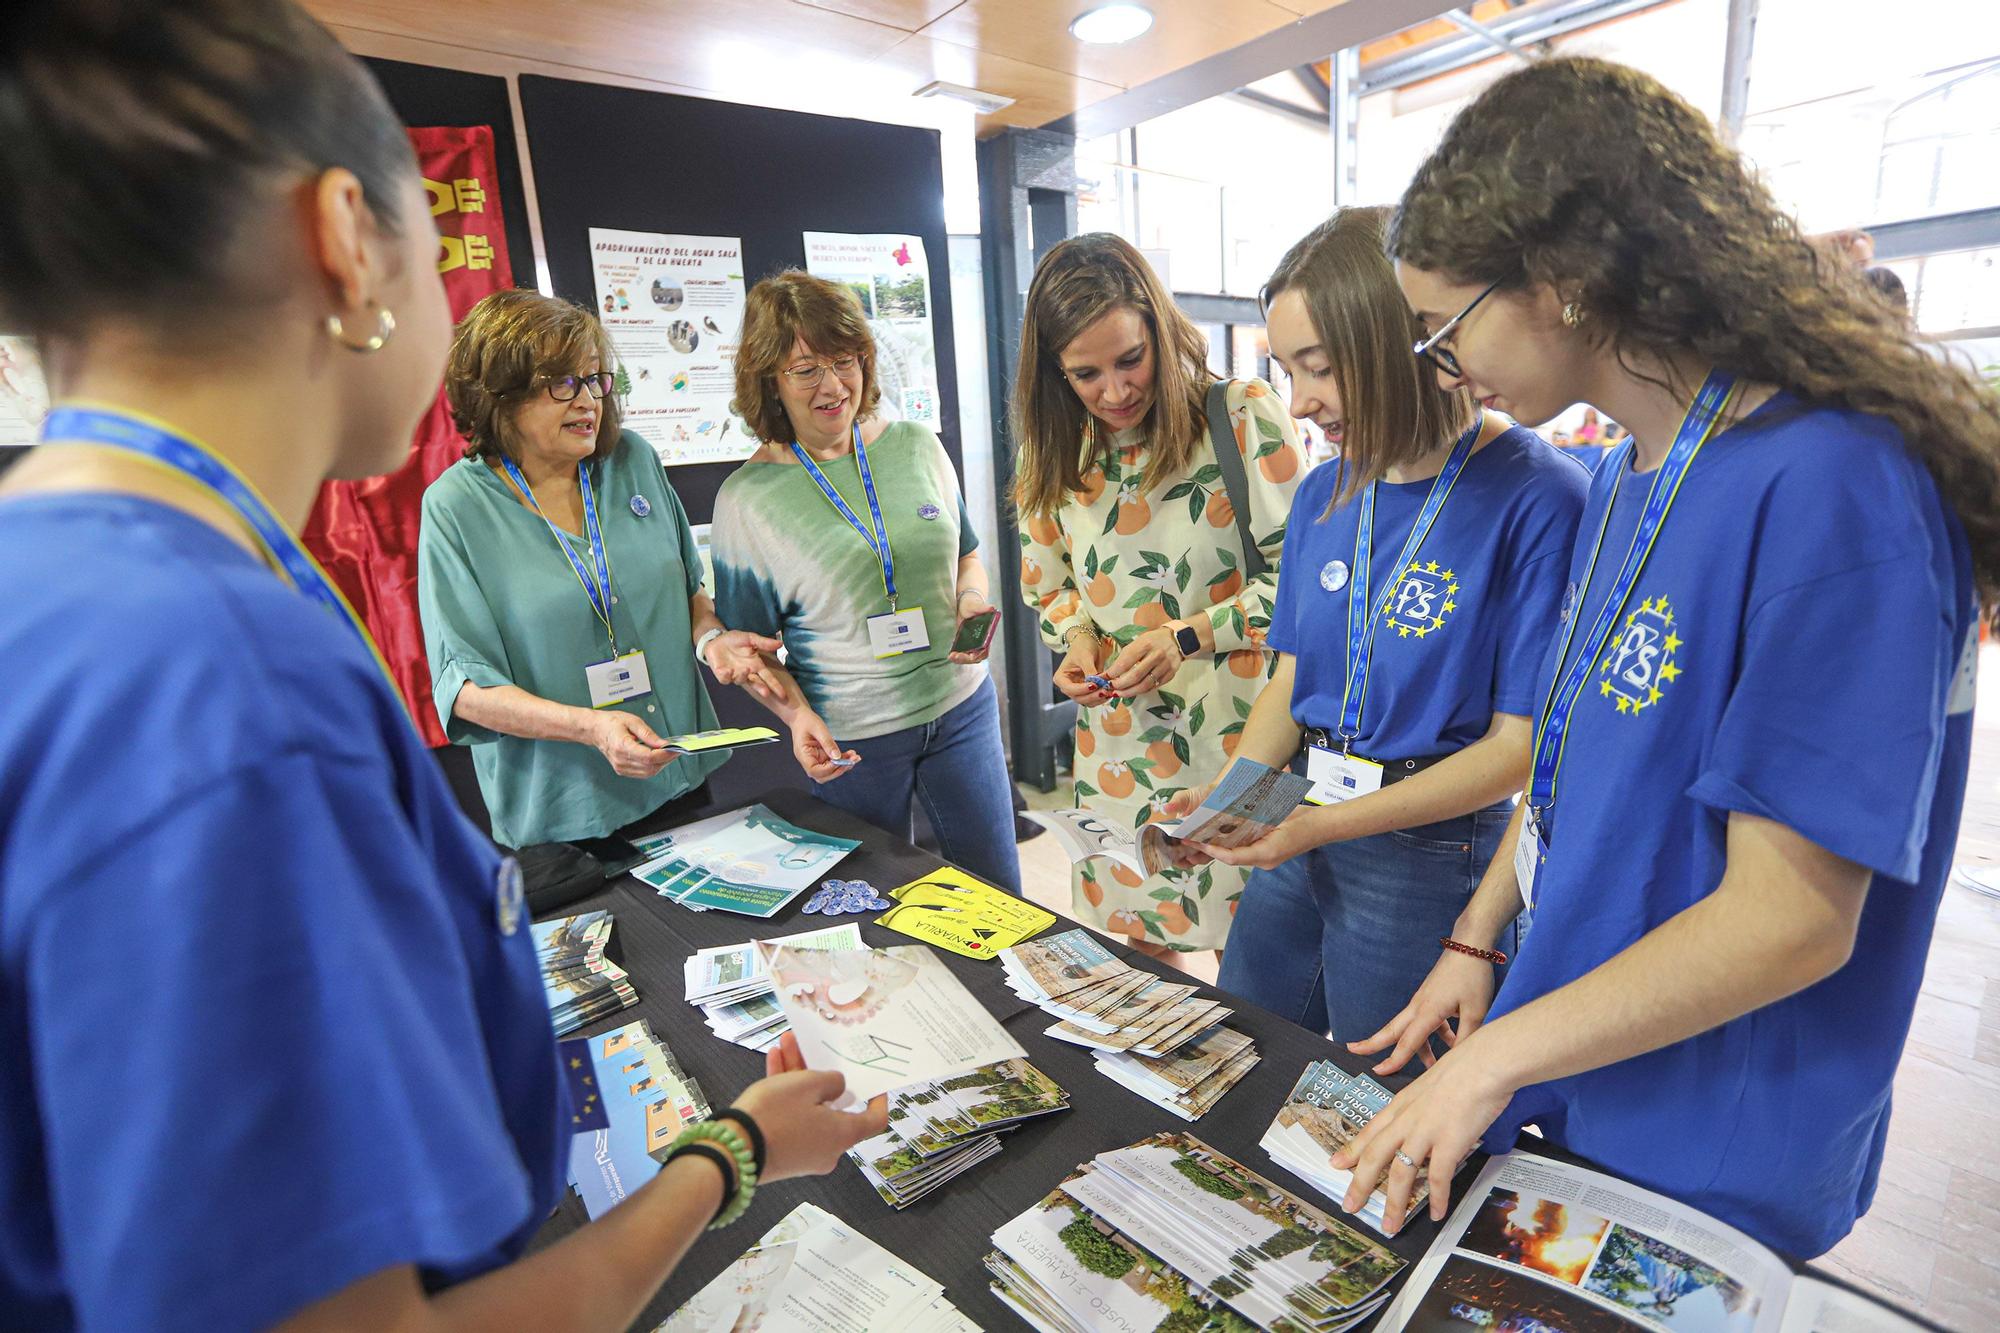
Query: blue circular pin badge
(928, 512)
(1333, 575)
(641, 506)
(509, 895)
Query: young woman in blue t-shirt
(1421, 578)
(275, 1051)
(1753, 727)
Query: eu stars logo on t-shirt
(1640, 662)
(1422, 600)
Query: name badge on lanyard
(1338, 777)
(113, 428)
(1342, 766)
(896, 631)
(621, 676)
(1710, 405)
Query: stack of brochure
(748, 861)
(648, 1101)
(1171, 1234)
(582, 984)
(1326, 1110)
(940, 1129)
(1152, 1037)
(814, 1272)
(732, 987)
(1188, 1080)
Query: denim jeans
(1339, 938)
(955, 766)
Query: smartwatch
(1185, 638)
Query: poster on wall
(673, 306)
(24, 398)
(888, 274)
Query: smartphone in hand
(975, 632)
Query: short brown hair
(784, 308)
(511, 342)
(1393, 410)
(1078, 283)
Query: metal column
(1343, 111)
(1027, 204)
(1741, 36)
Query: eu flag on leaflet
(586, 1107)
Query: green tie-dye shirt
(787, 563)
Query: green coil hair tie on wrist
(731, 1140)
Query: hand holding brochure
(1084, 834)
(1249, 801)
(1328, 1108)
(1541, 1244)
(723, 738)
(884, 1018)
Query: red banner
(365, 532)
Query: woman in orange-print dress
(1133, 559)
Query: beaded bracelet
(731, 1139)
(751, 1131)
(1493, 956)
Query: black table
(948, 1233)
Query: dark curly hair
(1594, 179)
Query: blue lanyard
(1360, 624)
(878, 541)
(155, 441)
(1696, 428)
(598, 590)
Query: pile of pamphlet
(732, 986)
(1171, 1234)
(1152, 1037)
(748, 861)
(582, 984)
(648, 1100)
(814, 1272)
(1326, 1110)
(940, 1129)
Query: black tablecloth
(947, 1234)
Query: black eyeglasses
(1441, 357)
(565, 388)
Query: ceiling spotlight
(1107, 25)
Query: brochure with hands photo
(883, 1018)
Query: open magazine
(1538, 1244)
(1249, 801)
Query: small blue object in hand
(1101, 682)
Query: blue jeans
(955, 766)
(1339, 938)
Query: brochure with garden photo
(1538, 1244)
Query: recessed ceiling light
(1107, 25)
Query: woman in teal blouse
(560, 587)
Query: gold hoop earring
(1573, 315)
(385, 328)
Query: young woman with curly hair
(1751, 751)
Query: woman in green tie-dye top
(798, 546)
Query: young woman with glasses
(1752, 730)
(560, 588)
(1422, 578)
(845, 535)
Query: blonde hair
(785, 308)
(1392, 408)
(1078, 283)
(509, 343)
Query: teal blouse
(501, 606)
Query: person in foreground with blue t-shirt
(1421, 580)
(273, 1044)
(1753, 726)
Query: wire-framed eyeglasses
(1441, 358)
(809, 376)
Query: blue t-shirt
(260, 1032)
(1470, 620)
(1799, 647)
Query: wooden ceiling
(816, 54)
